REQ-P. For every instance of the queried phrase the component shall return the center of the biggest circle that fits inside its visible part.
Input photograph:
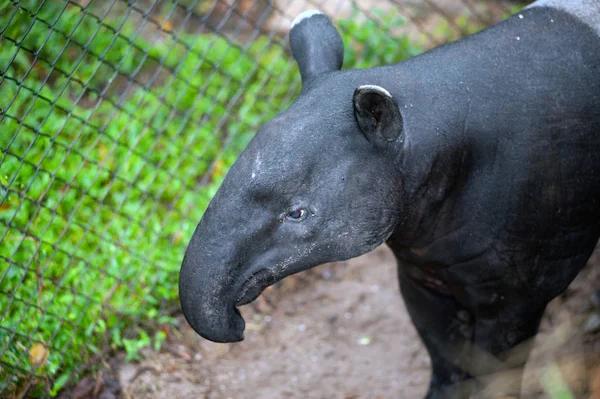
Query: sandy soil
(342, 331)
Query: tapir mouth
(254, 285)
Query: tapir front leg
(446, 329)
(469, 348)
(503, 339)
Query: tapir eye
(296, 214)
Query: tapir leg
(446, 329)
(470, 352)
(502, 343)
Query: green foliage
(101, 187)
(372, 42)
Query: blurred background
(118, 121)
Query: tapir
(477, 162)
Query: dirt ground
(341, 331)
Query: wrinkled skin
(478, 163)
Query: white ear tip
(376, 88)
(305, 15)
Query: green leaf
(59, 382)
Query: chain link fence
(118, 121)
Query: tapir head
(316, 184)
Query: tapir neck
(434, 157)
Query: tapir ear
(316, 45)
(377, 114)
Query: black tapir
(478, 163)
